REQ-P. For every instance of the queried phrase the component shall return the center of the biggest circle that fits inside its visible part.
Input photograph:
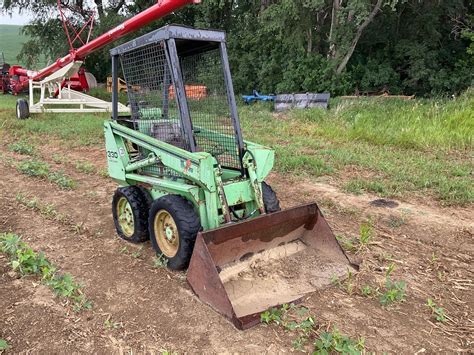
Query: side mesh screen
(206, 93)
(151, 94)
(154, 107)
(152, 101)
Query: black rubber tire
(147, 196)
(140, 201)
(270, 199)
(22, 109)
(187, 222)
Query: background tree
(340, 46)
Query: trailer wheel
(130, 208)
(22, 109)
(174, 225)
(270, 199)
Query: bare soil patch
(154, 309)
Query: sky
(15, 19)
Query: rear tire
(130, 209)
(22, 109)
(270, 199)
(173, 226)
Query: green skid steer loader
(193, 186)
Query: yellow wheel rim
(125, 217)
(166, 232)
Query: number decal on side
(112, 154)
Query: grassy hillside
(11, 42)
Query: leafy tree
(341, 46)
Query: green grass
(391, 148)
(33, 168)
(26, 261)
(438, 312)
(40, 169)
(4, 345)
(74, 130)
(296, 320)
(62, 180)
(11, 42)
(85, 167)
(22, 148)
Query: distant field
(11, 42)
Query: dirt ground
(155, 309)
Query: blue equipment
(248, 99)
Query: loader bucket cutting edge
(243, 269)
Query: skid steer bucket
(243, 269)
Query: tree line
(419, 47)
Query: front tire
(270, 199)
(130, 209)
(22, 109)
(173, 226)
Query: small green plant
(22, 148)
(292, 318)
(9, 243)
(349, 282)
(65, 286)
(104, 173)
(42, 170)
(137, 253)
(433, 258)
(395, 291)
(78, 228)
(299, 343)
(347, 244)
(27, 262)
(441, 276)
(45, 209)
(109, 324)
(63, 181)
(85, 167)
(367, 291)
(390, 269)
(59, 159)
(395, 222)
(273, 315)
(160, 261)
(33, 168)
(30, 203)
(281, 316)
(335, 281)
(366, 232)
(438, 312)
(335, 342)
(3, 345)
(167, 352)
(346, 283)
(123, 250)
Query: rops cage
(180, 92)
